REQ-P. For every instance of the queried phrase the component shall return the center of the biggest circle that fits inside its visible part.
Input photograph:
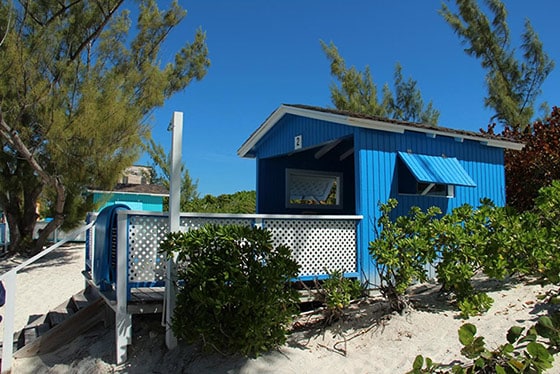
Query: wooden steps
(60, 325)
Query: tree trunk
(32, 194)
(21, 217)
(15, 236)
(58, 214)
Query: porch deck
(135, 280)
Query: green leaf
(418, 363)
(508, 348)
(538, 351)
(467, 333)
(516, 364)
(514, 333)
(530, 337)
(546, 322)
(500, 370)
(429, 362)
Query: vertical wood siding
(378, 180)
(280, 139)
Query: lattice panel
(192, 223)
(317, 244)
(145, 234)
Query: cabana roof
(370, 122)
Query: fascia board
(363, 123)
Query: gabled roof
(370, 122)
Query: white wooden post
(176, 127)
(123, 320)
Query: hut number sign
(298, 141)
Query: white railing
(317, 242)
(9, 281)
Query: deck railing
(318, 243)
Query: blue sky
(266, 53)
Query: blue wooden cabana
(313, 160)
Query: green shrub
(474, 304)
(402, 249)
(235, 295)
(491, 240)
(336, 292)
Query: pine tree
(78, 80)
(161, 163)
(357, 92)
(513, 85)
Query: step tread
(64, 333)
(33, 332)
(60, 314)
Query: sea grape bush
(336, 292)
(531, 352)
(402, 249)
(234, 295)
(491, 240)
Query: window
(313, 189)
(430, 175)
(432, 189)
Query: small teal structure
(312, 160)
(144, 197)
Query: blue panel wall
(376, 169)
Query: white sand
(47, 283)
(368, 344)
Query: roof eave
(130, 193)
(246, 148)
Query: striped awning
(437, 169)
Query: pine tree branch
(95, 33)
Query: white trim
(427, 189)
(363, 123)
(129, 193)
(241, 216)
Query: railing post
(123, 320)
(9, 316)
(176, 127)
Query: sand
(368, 340)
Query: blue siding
(378, 180)
(280, 139)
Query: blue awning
(436, 169)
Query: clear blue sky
(266, 53)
